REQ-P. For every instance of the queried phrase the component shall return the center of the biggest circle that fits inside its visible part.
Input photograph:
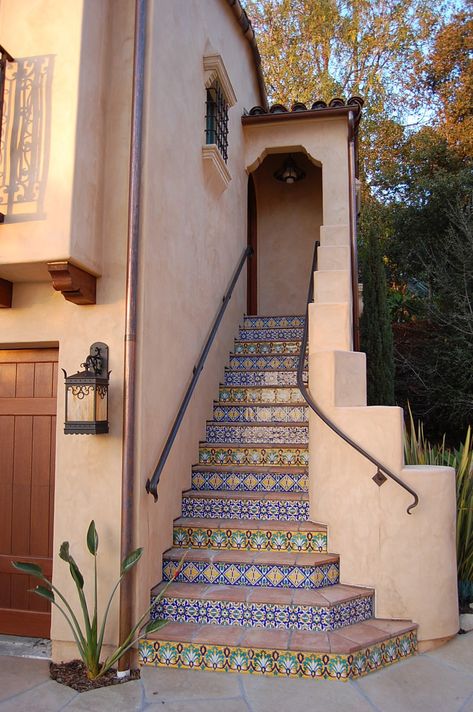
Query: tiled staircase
(257, 591)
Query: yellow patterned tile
(211, 573)
(275, 576)
(253, 575)
(296, 577)
(232, 574)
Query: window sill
(215, 168)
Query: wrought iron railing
(152, 483)
(382, 472)
(4, 58)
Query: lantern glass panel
(101, 403)
(80, 403)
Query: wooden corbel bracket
(75, 284)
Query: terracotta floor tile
(309, 642)
(232, 556)
(266, 638)
(310, 597)
(391, 627)
(263, 594)
(340, 644)
(177, 632)
(226, 593)
(186, 590)
(280, 558)
(363, 634)
(218, 634)
(336, 594)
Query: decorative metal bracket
(379, 478)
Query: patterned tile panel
(234, 455)
(259, 395)
(198, 537)
(260, 414)
(276, 334)
(286, 663)
(263, 615)
(267, 347)
(235, 508)
(272, 322)
(261, 378)
(264, 363)
(242, 434)
(242, 573)
(249, 481)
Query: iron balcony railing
(4, 58)
(152, 482)
(382, 472)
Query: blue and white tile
(244, 508)
(243, 481)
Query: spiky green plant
(89, 639)
(419, 451)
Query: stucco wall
(51, 189)
(88, 468)
(193, 237)
(288, 224)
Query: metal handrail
(382, 472)
(152, 483)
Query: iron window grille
(216, 119)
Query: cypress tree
(375, 323)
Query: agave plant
(419, 451)
(89, 639)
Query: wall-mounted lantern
(290, 172)
(87, 394)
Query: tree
(449, 76)
(375, 324)
(318, 50)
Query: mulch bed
(73, 674)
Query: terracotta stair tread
(229, 494)
(253, 524)
(324, 597)
(345, 641)
(277, 558)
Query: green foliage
(419, 451)
(375, 326)
(89, 638)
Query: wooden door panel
(28, 387)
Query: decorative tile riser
(244, 574)
(256, 434)
(250, 540)
(260, 378)
(249, 481)
(253, 348)
(214, 508)
(284, 663)
(264, 615)
(264, 363)
(272, 322)
(279, 457)
(261, 414)
(276, 334)
(257, 395)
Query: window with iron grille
(216, 119)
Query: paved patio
(441, 681)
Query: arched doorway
(283, 223)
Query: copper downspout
(129, 386)
(353, 230)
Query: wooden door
(28, 380)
